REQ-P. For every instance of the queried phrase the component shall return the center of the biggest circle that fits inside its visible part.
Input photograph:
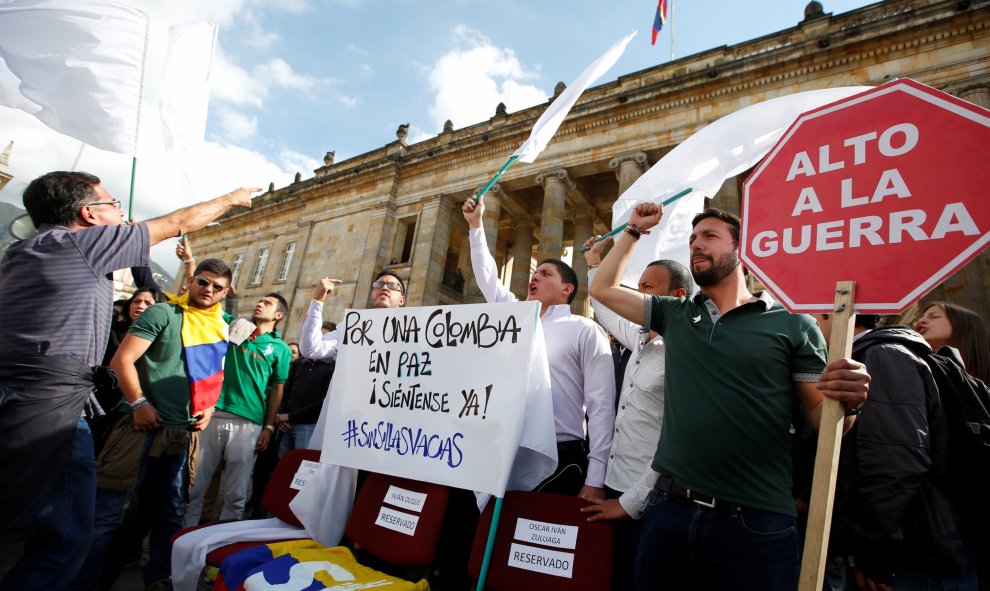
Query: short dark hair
(725, 216)
(680, 276)
(867, 321)
(392, 274)
(57, 197)
(283, 306)
(217, 267)
(331, 326)
(567, 275)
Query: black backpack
(966, 411)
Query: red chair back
(279, 491)
(398, 520)
(544, 532)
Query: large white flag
(723, 149)
(186, 83)
(77, 65)
(550, 120)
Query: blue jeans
(166, 477)
(297, 438)
(64, 527)
(688, 546)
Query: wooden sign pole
(829, 444)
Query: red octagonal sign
(889, 188)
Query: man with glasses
(56, 304)
(245, 414)
(154, 441)
(387, 291)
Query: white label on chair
(306, 470)
(541, 560)
(403, 523)
(546, 534)
(407, 499)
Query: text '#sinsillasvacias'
(391, 438)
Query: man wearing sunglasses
(245, 414)
(152, 442)
(56, 303)
(387, 291)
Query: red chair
(414, 536)
(275, 500)
(513, 558)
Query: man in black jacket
(309, 380)
(898, 530)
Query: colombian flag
(660, 20)
(303, 564)
(204, 342)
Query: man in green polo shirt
(245, 414)
(721, 514)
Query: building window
(259, 265)
(405, 238)
(283, 269)
(235, 267)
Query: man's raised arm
(195, 217)
(606, 286)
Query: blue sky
(293, 79)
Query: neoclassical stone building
(397, 207)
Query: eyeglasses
(204, 282)
(393, 285)
(116, 203)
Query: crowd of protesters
(116, 423)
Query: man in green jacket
(245, 414)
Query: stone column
(522, 256)
(380, 230)
(727, 198)
(584, 226)
(555, 184)
(628, 167)
(430, 252)
(493, 208)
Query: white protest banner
(437, 394)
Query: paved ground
(130, 579)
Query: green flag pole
(615, 231)
(130, 199)
(495, 178)
(490, 544)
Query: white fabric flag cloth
(76, 65)
(186, 83)
(723, 149)
(325, 501)
(550, 120)
(536, 458)
(189, 551)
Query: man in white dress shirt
(387, 291)
(582, 377)
(640, 410)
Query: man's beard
(719, 270)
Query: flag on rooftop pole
(76, 65)
(723, 149)
(659, 20)
(548, 123)
(185, 93)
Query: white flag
(727, 147)
(186, 83)
(77, 65)
(551, 119)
